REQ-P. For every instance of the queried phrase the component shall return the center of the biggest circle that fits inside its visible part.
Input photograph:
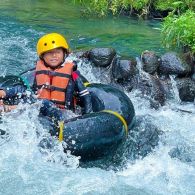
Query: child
(56, 80)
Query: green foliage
(179, 31)
(116, 5)
(100, 6)
(175, 6)
(142, 7)
(103, 7)
(97, 7)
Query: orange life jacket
(52, 84)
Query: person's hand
(6, 108)
(2, 94)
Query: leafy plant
(179, 31)
(141, 7)
(176, 6)
(103, 7)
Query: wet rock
(168, 87)
(46, 143)
(152, 87)
(142, 139)
(4, 136)
(189, 58)
(123, 69)
(102, 57)
(150, 61)
(2, 132)
(102, 74)
(183, 152)
(186, 88)
(82, 54)
(173, 64)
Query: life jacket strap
(58, 102)
(53, 73)
(51, 88)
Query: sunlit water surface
(24, 169)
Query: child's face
(54, 57)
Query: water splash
(175, 89)
(25, 169)
(23, 135)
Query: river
(24, 170)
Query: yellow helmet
(51, 41)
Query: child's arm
(83, 93)
(2, 93)
(10, 92)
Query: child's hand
(2, 94)
(6, 108)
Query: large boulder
(150, 61)
(168, 87)
(186, 88)
(152, 88)
(123, 69)
(102, 57)
(173, 64)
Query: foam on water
(26, 170)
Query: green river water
(128, 36)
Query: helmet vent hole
(53, 42)
(45, 44)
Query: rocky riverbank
(155, 76)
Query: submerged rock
(183, 152)
(142, 138)
(2, 132)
